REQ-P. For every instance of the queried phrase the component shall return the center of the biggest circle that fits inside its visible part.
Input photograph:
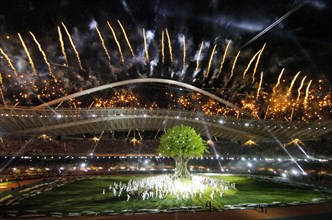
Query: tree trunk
(181, 171)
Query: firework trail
(278, 82)
(62, 46)
(10, 63)
(28, 54)
(233, 66)
(116, 41)
(299, 89)
(249, 64)
(199, 56)
(127, 40)
(73, 45)
(103, 44)
(259, 86)
(210, 61)
(44, 56)
(223, 58)
(257, 61)
(184, 51)
(169, 45)
(305, 102)
(146, 48)
(292, 84)
(162, 47)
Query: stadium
(83, 109)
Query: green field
(86, 195)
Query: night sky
(302, 41)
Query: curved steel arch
(144, 80)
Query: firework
(249, 64)
(44, 56)
(292, 84)
(162, 47)
(73, 45)
(9, 61)
(233, 66)
(259, 85)
(199, 56)
(127, 40)
(62, 46)
(103, 44)
(169, 45)
(116, 41)
(223, 58)
(146, 47)
(278, 82)
(210, 61)
(256, 65)
(305, 101)
(28, 54)
(299, 89)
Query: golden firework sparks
(169, 45)
(62, 46)
(162, 47)
(305, 101)
(259, 86)
(146, 48)
(223, 58)
(199, 56)
(184, 51)
(278, 82)
(116, 41)
(44, 56)
(249, 64)
(257, 61)
(127, 40)
(292, 84)
(103, 44)
(9, 61)
(73, 46)
(28, 54)
(210, 61)
(233, 66)
(299, 89)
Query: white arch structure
(143, 80)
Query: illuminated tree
(181, 143)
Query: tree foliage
(181, 141)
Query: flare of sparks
(259, 85)
(163, 47)
(249, 64)
(199, 56)
(223, 58)
(278, 82)
(103, 44)
(169, 45)
(233, 66)
(184, 51)
(73, 46)
(299, 89)
(44, 55)
(250, 143)
(305, 102)
(146, 48)
(116, 41)
(28, 55)
(210, 61)
(292, 84)
(257, 61)
(9, 61)
(127, 40)
(62, 46)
